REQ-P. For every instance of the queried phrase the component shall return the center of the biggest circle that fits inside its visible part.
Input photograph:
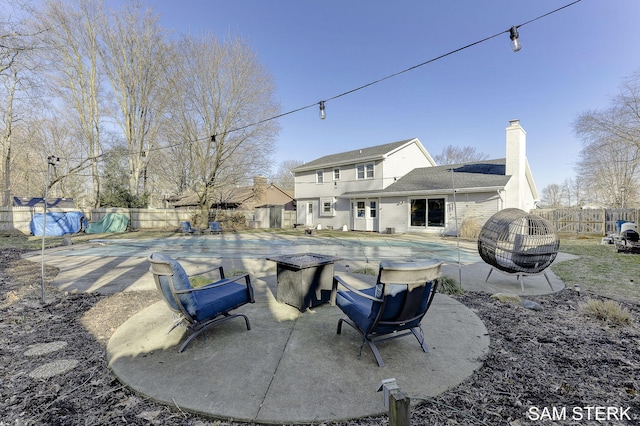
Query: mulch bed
(544, 367)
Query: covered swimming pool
(247, 246)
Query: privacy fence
(14, 219)
(581, 221)
(588, 221)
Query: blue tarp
(58, 223)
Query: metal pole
(51, 161)
(455, 212)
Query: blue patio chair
(201, 307)
(186, 228)
(394, 307)
(215, 228)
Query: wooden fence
(588, 221)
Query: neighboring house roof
(371, 153)
(66, 203)
(277, 196)
(468, 177)
(244, 195)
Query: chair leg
(205, 326)
(376, 352)
(417, 331)
(190, 338)
(177, 323)
(488, 275)
(548, 281)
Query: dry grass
(608, 311)
(470, 229)
(366, 271)
(450, 286)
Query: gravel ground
(548, 366)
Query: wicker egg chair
(518, 243)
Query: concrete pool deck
(291, 367)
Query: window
(326, 206)
(427, 212)
(364, 171)
(360, 209)
(373, 209)
(418, 212)
(336, 174)
(435, 209)
(320, 176)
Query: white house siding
(402, 162)
(395, 211)
(307, 190)
(476, 206)
(393, 214)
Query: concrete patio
(291, 367)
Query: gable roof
(468, 177)
(274, 196)
(371, 153)
(63, 203)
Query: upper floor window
(364, 171)
(319, 176)
(336, 174)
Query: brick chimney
(260, 186)
(516, 165)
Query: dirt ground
(549, 366)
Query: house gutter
(421, 192)
(304, 168)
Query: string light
(516, 45)
(515, 41)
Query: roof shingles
(356, 155)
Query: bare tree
(16, 47)
(283, 177)
(457, 155)
(72, 48)
(552, 195)
(221, 116)
(611, 170)
(135, 58)
(610, 156)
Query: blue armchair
(201, 307)
(215, 227)
(394, 307)
(186, 228)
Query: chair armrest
(334, 290)
(219, 268)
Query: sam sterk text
(590, 412)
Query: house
(261, 194)
(52, 203)
(397, 187)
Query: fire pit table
(304, 280)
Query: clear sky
(572, 61)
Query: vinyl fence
(14, 219)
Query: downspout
(501, 200)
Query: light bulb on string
(516, 45)
(323, 114)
